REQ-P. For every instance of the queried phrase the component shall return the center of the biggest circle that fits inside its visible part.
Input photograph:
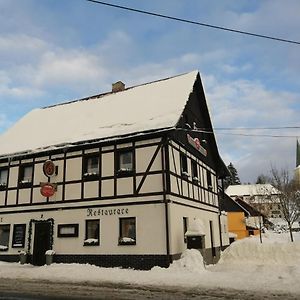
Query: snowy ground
(246, 265)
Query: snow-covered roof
(251, 190)
(153, 106)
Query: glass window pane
(184, 167)
(93, 165)
(128, 230)
(92, 231)
(27, 173)
(3, 177)
(4, 235)
(126, 161)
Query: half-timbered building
(113, 179)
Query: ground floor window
(92, 233)
(4, 237)
(127, 231)
(19, 235)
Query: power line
(256, 128)
(240, 134)
(194, 22)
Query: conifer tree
(233, 179)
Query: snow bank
(273, 266)
(271, 252)
(191, 260)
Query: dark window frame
(21, 182)
(86, 233)
(14, 242)
(3, 185)
(7, 246)
(118, 170)
(209, 180)
(63, 235)
(195, 172)
(185, 227)
(85, 174)
(184, 165)
(121, 234)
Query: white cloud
(244, 103)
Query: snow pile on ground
(191, 260)
(272, 251)
(273, 266)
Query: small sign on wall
(49, 168)
(48, 189)
(195, 142)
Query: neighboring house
(242, 220)
(263, 197)
(112, 179)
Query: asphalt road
(44, 290)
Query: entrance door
(41, 242)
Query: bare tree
(289, 196)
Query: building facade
(112, 198)
(263, 197)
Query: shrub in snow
(50, 252)
(191, 260)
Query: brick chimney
(118, 86)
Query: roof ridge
(109, 93)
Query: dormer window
(91, 166)
(25, 175)
(125, 163)
(3, 178)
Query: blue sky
(53, 51)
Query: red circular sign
(49, 168)
(47, 190)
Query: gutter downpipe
(166, 189)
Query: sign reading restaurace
(92, 212)
(195, 142)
